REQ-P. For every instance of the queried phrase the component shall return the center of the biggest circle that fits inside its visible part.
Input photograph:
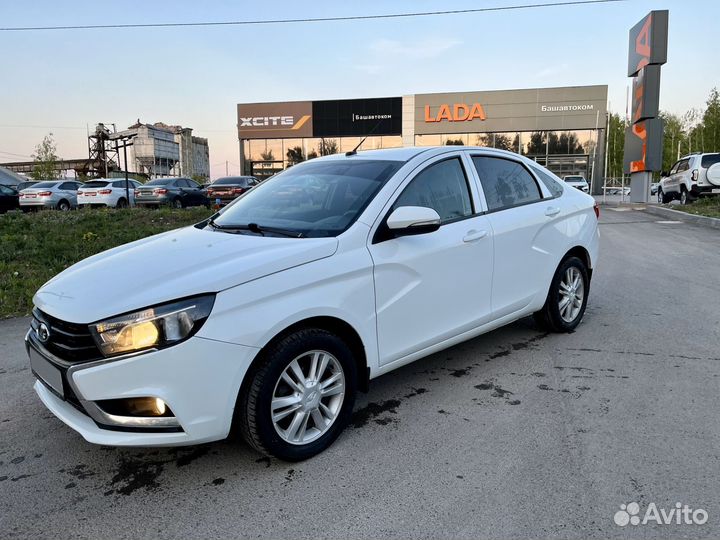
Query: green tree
(454, 142)
(267, 155)
(295, 155)
(673, 137)
(312, 154)
(616, 145)
(45, 158)
(710, 125)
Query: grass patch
(36, 246)
(704, 206)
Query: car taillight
(44, 193)
(597, 210)
(105, 192)
(238, 190)
(695, 175)
(136, 192)
(161, 191)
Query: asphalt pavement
(515, 434)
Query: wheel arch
(581, 253)
(335, 325)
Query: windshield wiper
(255, 228)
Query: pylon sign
(648, 51)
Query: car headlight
(155, 327)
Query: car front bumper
(199, 380)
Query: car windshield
(574, 179)
(44, 185)
(311, 199)
(230, 180)
(95, 184)
(160, 182)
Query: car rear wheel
(122, 203)
(63, 205)
(567, 298)
(684, 196)
(300, 397)
(177, 203)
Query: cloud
(423, 49)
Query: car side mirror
(409, 220)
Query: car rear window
(239, 180)
(160, 182)
(709, 160)
(553, 185)
(44, 185)
(95, 184)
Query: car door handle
(473, 235)
(551, 211)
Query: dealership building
(561, 128)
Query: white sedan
(275, 312)
(107, 192)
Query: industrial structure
(146, 150)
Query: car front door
(432, 287)
(524, 237)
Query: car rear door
(521, 215)
(432, 287)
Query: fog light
(137, 407)
(160, 406)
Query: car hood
(168, 266)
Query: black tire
(685, 196)
(177, 203)
(665, 198)
(63, 205)
(549, 317)
(122, 203)
(252, 412)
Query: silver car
(60, 194)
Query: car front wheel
(567, 298)
(300, 397)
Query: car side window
(69, 186)
(192, 184)
(684, 165)
(5, 190)
(443, 187)
(506, 183)
(553, 185)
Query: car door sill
(449, 342)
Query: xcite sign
(457, 112)
(285, 122)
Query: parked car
(654, 188)
(8, 199)
(274, 312)
(692, 176)
(225, 190)
(577, 181)
(60, 194)
(177, 192)
(108, 192)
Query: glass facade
(265, 157)
(564, 153)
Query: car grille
(68, 341)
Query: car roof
(409, 152)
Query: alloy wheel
(572, 293)
(308, 397)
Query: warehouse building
(561, 128)
(164, 150)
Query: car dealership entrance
(561, 128)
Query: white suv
(577, 181)
(107, 192)
(692, 176)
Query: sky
(66, 81)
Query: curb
(684, 216)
